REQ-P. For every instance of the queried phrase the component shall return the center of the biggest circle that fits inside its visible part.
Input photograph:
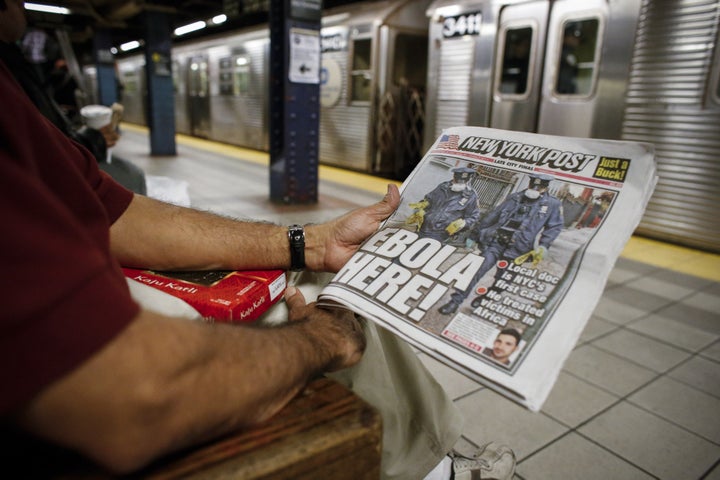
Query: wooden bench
(327, 432)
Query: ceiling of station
(125, 20)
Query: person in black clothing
(96, 141)
(63, 86)
(28, 78)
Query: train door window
(360, 75)
(514, 71)
(241, 75)
(130, 83)
(226, 76)
(713, 92)
(578, 57)
(406, 67)
(198, 84)
(177, 84)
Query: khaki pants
(420, 423)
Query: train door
(198, 96)
(401, 107)
(518, 66)
(571, 68)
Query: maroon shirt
(63, 294)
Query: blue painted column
(294, 100)
(158, 71)
(105, 66)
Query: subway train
(396, 73)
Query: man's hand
(337, 332)
(330, 245)
(110, 134)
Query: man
(85, 367)
(449, 208)
(511, 230)
(505, 344)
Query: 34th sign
(459, 25)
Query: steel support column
(294, 100)
(160, 99)
(107, 92)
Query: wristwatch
(296, 237)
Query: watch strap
(296, 238)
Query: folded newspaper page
(500, 250)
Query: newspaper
(500, 250)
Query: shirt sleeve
(64, 295)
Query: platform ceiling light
(190, 28)
(125, 47)
(39, 7)
(218, 19)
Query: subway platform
(639, 397)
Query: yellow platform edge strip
(641, 249)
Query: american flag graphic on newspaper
(449, 142)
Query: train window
(360, 73)
(577, 62)
(515, 68)
(234, 73)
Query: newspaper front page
(500, 250)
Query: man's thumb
(390, 201)
(294, 297)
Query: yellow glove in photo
(537, 255)
(455, 226)
(421, 205)
(417, 217)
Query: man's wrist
(315, 247)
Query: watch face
(296, 233)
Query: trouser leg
(420, 422)
(491, 257)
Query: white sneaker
(491, 462)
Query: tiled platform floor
(639, 397)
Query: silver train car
(221, 84)
(396, 73)
(641, 70)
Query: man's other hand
(330, 245)
(337, 332)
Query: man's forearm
(164, 384)
(153, 234)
